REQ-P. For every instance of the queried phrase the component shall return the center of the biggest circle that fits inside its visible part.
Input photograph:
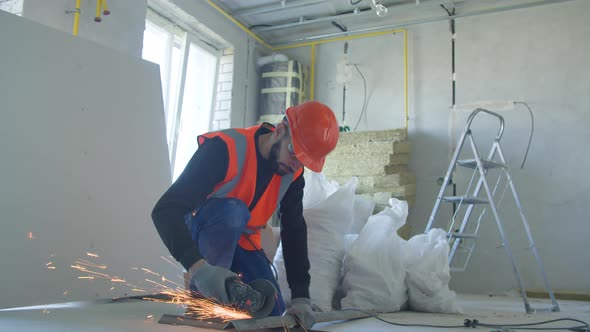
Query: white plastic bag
(317, 189)
(373, 269)
(327, 221)
(427, 273)
(362, 210)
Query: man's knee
(236, 213)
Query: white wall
(380, 60)
(535, 55)
(84, 160)
(538, 56)
(121, 30)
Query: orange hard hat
(314, 132)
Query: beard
(275, 151)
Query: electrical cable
(532, 131)
(340, 26)
(261, 252)
(448, 11)
(355, 2)
(364, 98)
(526, 326)
(473, 323)
(406, 325)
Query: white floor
(134, 317)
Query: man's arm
(294, 239)
(204, 171)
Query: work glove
(210, 281)
(301, 309)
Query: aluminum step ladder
(462, 238)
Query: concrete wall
(535, 55)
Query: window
(188, 71)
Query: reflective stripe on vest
(240, 142)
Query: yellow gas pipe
(105, 8)
(97, 17)
(76, 18)
(100, 5)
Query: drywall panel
(84, 159)
(535, 55)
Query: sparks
(90, 264)
(169, 261)
(65, 292)
(51, 267)
(149, 316)
(149, 272)
(92, 255)
(203, 308)
(30, 236)
(85, 270)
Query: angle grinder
(257, 297)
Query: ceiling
(289, 21)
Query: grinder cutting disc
(268, 290)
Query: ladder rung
(464, 199)
(487, 164)
(464, 235)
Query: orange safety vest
(240, 181)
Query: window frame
(189, 37)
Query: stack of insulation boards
(379, 159)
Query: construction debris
(380, 161)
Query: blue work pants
(216, 228)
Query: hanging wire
(364, 98)
(532, 131)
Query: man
(210, 218)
